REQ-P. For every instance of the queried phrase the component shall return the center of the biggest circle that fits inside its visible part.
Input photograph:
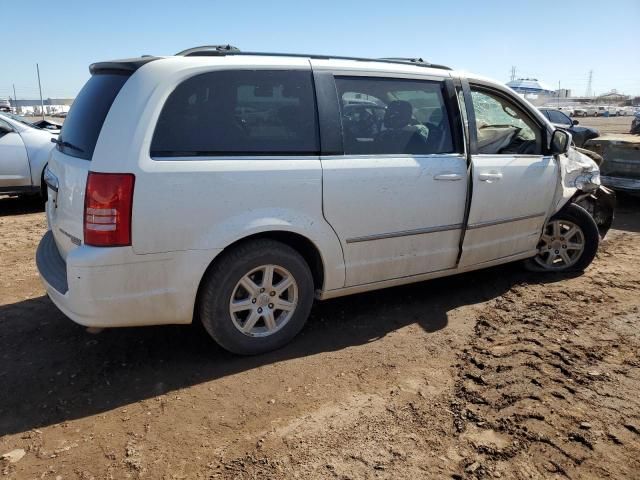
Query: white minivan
(233, 188)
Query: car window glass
(82, 126)
(502, 128)
(390, 116)
(559, 117)
(239, 113)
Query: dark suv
(562, 120)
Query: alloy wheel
(263, 301)
(561, 245)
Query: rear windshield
(82, 126)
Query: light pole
(40, 87)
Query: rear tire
(241, 292)
(569, 242)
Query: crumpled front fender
(601, 206)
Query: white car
(24, 151)
(234, 188)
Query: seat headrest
(398, 114)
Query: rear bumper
(113, 287)
(52, 267)
(623, 184)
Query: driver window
(503, 128)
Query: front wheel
(569, 242)
(256, 297)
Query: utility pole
(589, 91)
(513, 73)
(40, 87)
(558, 93)
(15, 98)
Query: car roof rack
(222, 50)
(208, 50)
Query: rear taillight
(107, 209)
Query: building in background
(563, 93)
(33, 107)
(612, 98)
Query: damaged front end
(581, 185)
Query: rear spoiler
(125, 66)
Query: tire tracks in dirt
(552, 372)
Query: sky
(554, 41)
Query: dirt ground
(494, 374)
(607, 124)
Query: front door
(396, 198)
(513, 181)
(14, 163)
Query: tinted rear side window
(245, 112)
(82, 126)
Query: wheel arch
(302, 244)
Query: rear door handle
(489, 177)
(448, 177)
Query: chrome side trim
(504, 220)
(375, 156)
(404, 233)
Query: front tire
(569, 242)
(256, 297)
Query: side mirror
(575, 122)
(560, 142)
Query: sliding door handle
(448, 177)
(489, 177)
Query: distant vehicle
(580, 112)
(171, 199)
(620, 167)
(41, 124)
(24, 151)
(5, 106)
(606, 111)
(592, 111)
(47, 125)
(621, 111)
(560, 119)
(568, 110)
(635, 124)
(60, 115)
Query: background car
(621, 111)
(24, 151)
(635, 124)
(579, 112)
(562, 120)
